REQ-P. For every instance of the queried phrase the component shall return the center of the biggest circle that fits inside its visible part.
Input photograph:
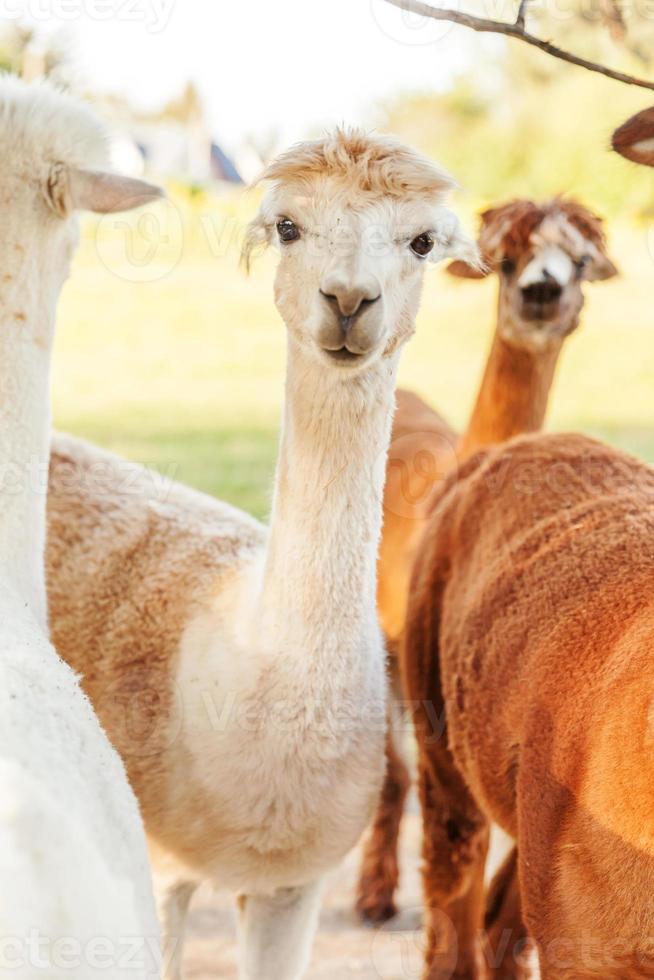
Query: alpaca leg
(505, 941)
(455, 847)
(455, 832)
(453, 924)
(173, 900)
(379, 873)
(276, 932)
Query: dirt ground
(343, 948)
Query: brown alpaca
(530, 622)
(539, 305)
(529, 630)
(542, 254)
(635, 141)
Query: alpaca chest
(273, 780)
(259, 819)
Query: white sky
(293, 65)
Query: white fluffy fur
(40, 125)
(75, 890)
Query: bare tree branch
(521, 19)
(518, 32)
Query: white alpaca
(241, 673)
(75, 891)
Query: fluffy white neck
(26, 329)
(319, 586)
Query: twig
(518, 32)
(522, 15)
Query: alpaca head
(356, 218)
(48, 142)
(635, 138)
(542, 254)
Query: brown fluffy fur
(530, 620)
(512, 399)
(423, 451)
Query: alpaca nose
(349, 327)
(545, 290)
(349, 302)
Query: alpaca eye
(582, 263)
(287, 230)
(422, 245)
(508, 267)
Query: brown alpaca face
(542, 256)
(540, 295)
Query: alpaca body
(548, 716)
(542, 254)
(512, 400)
(75, 890)
(253, 660)
(293, 796)
(422, 451)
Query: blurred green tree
(521, 123)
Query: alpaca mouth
(540, 301)
(343, 355)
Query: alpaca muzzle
(352, 324)
(541, 300)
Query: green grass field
(185, 372)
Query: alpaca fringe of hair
(375, 164)
(507, 230)
(370, 163)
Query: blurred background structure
(167, 353)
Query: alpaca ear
(494, 224)
(105, 193)
(463, 270)
(479, 268)
(257, 239)
(453, 242)
(600, 268)
(635, 138)
(68, 189)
